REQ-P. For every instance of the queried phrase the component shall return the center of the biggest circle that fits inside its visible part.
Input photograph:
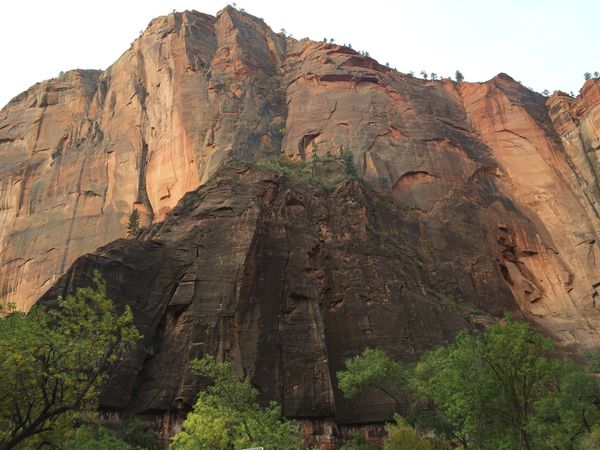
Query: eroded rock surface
(477, 198)
(284, 279)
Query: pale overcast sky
(546, 44)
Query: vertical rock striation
(81, 151)
(477, 198)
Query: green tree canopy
(401, 436)
(349, 166)
(374, 369)
(504, 389)
(227, 416)
(53, 362)
(498, 389)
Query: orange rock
(492, 171)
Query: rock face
(284, 279)
(476, 198)
(81, 151)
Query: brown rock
(285, 280)
(478, 197)
(81, 151)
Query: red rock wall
(498, 178)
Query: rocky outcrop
(80, 152)
(284, 279)
(194, 91)
(476, 198)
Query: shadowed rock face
(287, 281)
(476, 198)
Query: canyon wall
(473, 199)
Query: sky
(545, 44)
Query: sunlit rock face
(497, 184)
(79, 152)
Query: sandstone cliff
(476, 198)
(284, 279)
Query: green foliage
(401, 436)
(500, 389)
(134, 222)
(504, 389)
(349, 166)
(374, 369)
(459, 76)
(358, 442)
(587, 76)
(92, 438)
(227, 415)
(288, 167)
(592, 440)
(137, 434)
(593, 358)
(306, 170)
(53, 362)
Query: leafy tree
(596, 74)
(92, 438)
(374, 369)
(401, 436)
(587, 76)
(358, 442)
(349, 166)
(424, 74)
(134, 222)
(434, 76)
(459, 76)
(499, 389)
(545, 92)
(592, 440)
(227, 415)
(53, 362)
(504, 389)
(139, 435)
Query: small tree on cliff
(349, 166)
(53, 362)
(227, 415)
(134, 222)
(459, 76)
